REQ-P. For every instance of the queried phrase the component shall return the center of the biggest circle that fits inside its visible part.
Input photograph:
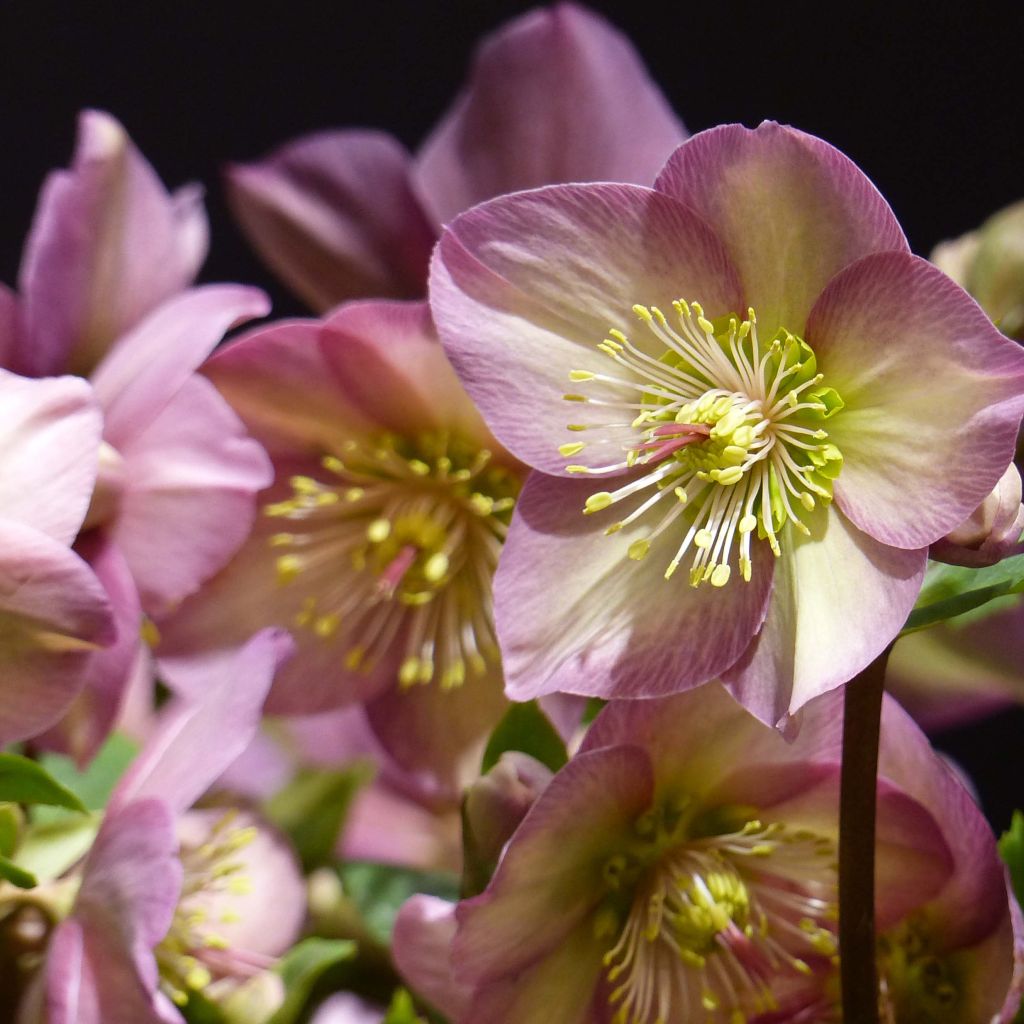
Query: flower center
(402, 543)
(704, 924)
(726, 429)
(916, 985)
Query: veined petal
(49, 447)
(191, 479)
(422, 947)
(917, 460)
(146, 368)
(804, 648)
(557, 95)
(108, 244)
(524, 289)
(575, 613)
(791, 210)
(335, 215)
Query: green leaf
(12, 821)
(1011, 849)
(23, 781)
(16, 876)
(50, 848)
(302, 967)
(952, 590)
(95, 783)
(526, 728)
(402, 1010)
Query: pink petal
(10, 326)
(54, 611)
(556, 96)
(525, 287)
(108, 245)
(335, 215)
(193, 466)
(49, 444)
(838, 599)
(347, 1008)
(148, 366)
(575, 614)
(197, 740)
(422, 949)
(791, 210)
(917, 460)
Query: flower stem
(861, 722)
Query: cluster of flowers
(676, 425)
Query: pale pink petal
(54, 614)
(335, 216)
(575, 613)
(108, 245)
(550, 878)
(198, 739)
(422, 949)
(49, 445)
(347, 1008)
(556, 96)
(146, 368)
(189, 500)
(524, 289)
(791, 210)
(807, 646)
(933, 395)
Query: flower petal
(916, 460)
(791, 210)
(190, 495)
(525, 287)
(147, 367)
(108, 245)
(806, 646)
(422, 948)
(557, 95)
(10, 325)
(610, 627)
(335, 216)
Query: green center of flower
(726, 433)
(398, 547)
(916, 985)
(701, 922)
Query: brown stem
(861, 723)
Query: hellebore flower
(104, 292)
(757, 367)
(347, 1008)
(379, 536)
(556, 95)
(683, 867)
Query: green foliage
(526, 728)
(402, 1010)
(953, 590)
(1011, 849)
(93, 784)
(23, 781)
(17, 876)
(302, 967)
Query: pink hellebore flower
(347, 1008)
(556, 95)
(757, 367)
(104, 292)
(379, 536)
(697, 881)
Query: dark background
(928, 101)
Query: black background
(928, 101)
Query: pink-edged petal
(198, 739)
(525, 287)
(280, 381)
(439, 732)
(335, 216)
(791, 210)
(575, 613)
(108, 245)
(390, 364)
(550, 878)
(54, 614)
(422, 949)
(838, 599)
(189, 500)
(917, 460)
(556, 96)
(90, 719)
(148, 366)
(49, 445)
(10, 325)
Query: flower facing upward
(768, 398)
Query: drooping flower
(742, 347)
(556, 95)
(378, 538)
